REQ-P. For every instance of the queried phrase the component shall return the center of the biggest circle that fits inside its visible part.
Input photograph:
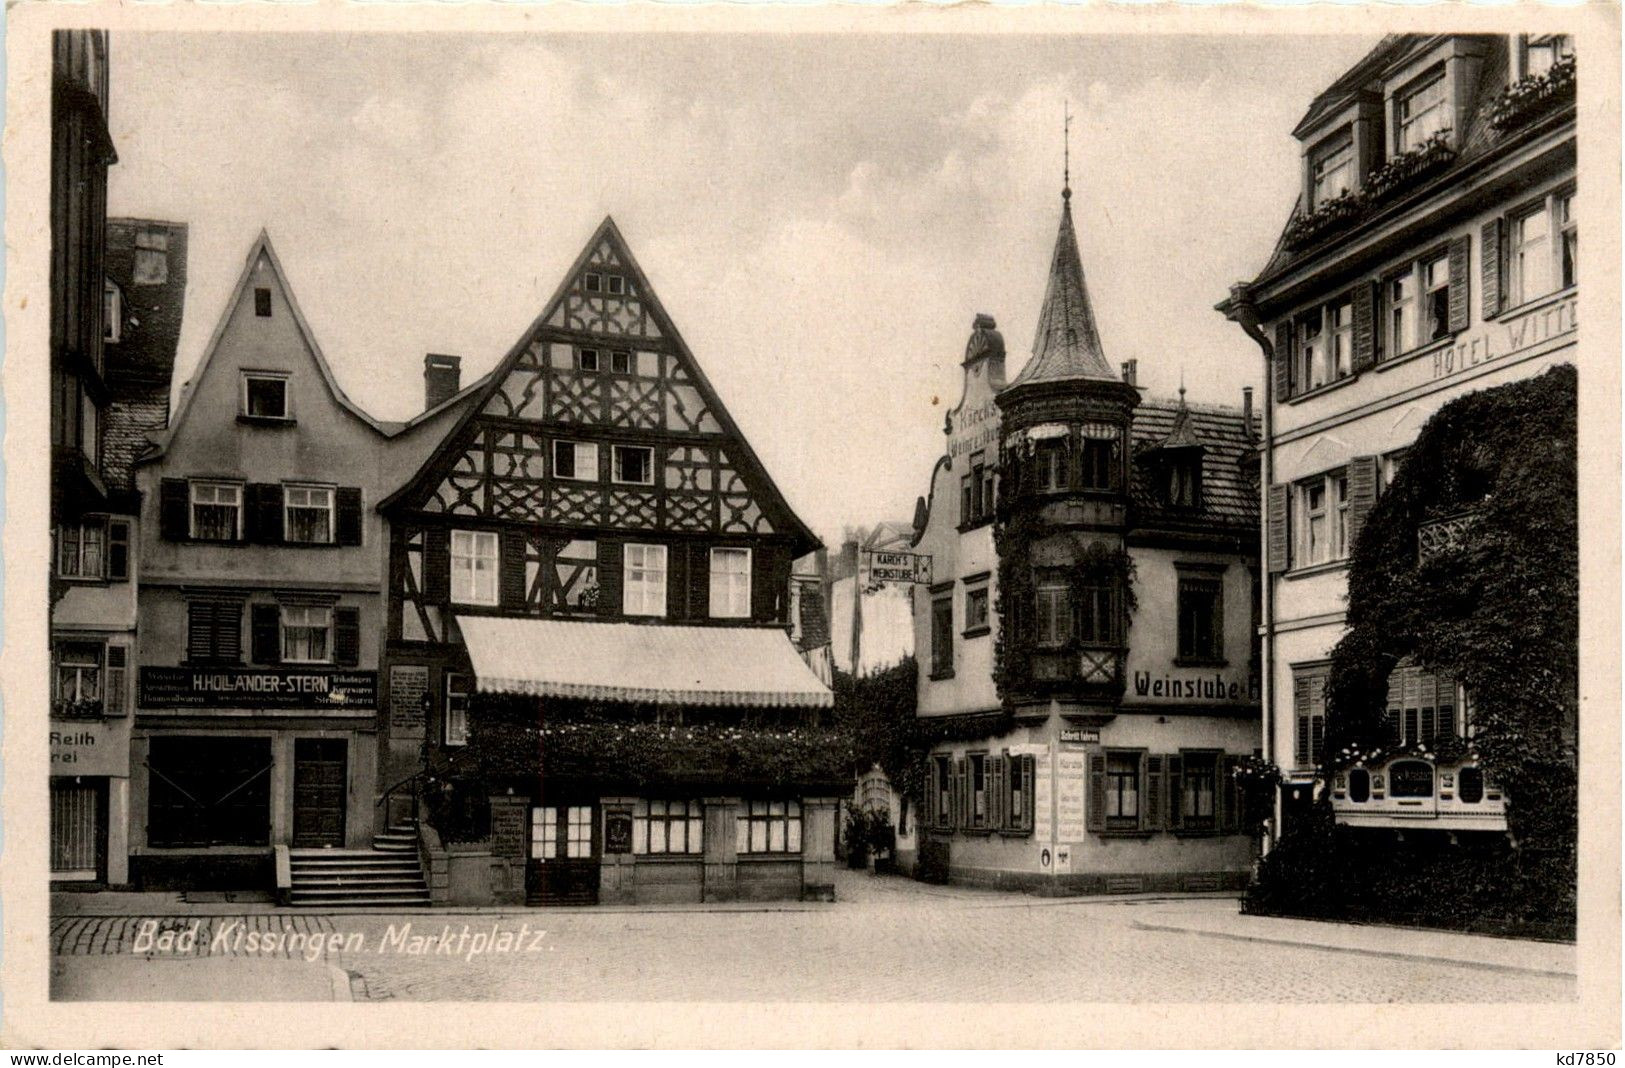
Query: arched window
(1470, 788)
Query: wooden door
(564, 855)
(320, 775)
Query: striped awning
(754, 667)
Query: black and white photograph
(1054, 510)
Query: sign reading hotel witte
(179, 687)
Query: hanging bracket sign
(912, 568)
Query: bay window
(730, 583)
(474, 567)
(644, 581)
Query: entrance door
(564, 849)
(319, 776)
(76, 831)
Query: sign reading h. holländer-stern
(180, 687)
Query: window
(667, 827)
(307, 632)
(118, 549)
(1323, 520)
(1097, 615)
(1018, 811)
(214, 632)
(768, 827)
(977, 768)
(1408, 321)
(1122, 790)
(1436, 299)
(942, 791)
(1421, 706)
(575, 460)
(593, 283)
(307, 514)
(1542, 53)
(587, 359)
(1201, 619)
(1388, 468)
(1469, 785)
(262, 303)
(1421, 113)
(575, 571)
(976, 611)
(1182, 482)
(265, 396)
(615, 284)
(474, 567)
(79, 678)
(1198, 790)
(730, 583)
(456, 706)
(1331, 170)
(976, 492)
(81, 549)
(112, 314)
(1050, 462)
(1309, 707)
(1401, 296)
(209, 791)
(1340, 353)
(633, 464)
(1097, 463)
(1054, 612)
(620, 363)
(1311, 355)
(217, 511)
(1530, 256)
(1569, 238)
(552, 827)
(942, 636)
(644, 585)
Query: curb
(1391, 954)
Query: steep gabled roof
(1229, 500)
(608, 232)
(1067, 344)
(261, 248)
(1182, 435)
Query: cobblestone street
(887, 940)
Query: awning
(741, 666)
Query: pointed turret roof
(1067, 345)
(1182, 435)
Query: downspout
(1240, 309)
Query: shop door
(76, 831)
(319, 776)
(564, 849)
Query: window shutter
(677, 582)
(1096, 815)
(347, 520)
(1176, 791)
(1362, 495)
(262, 513)
(764, 583)
(1300, 705)
(199, 630)
(1364, 299)
(511, 570)
(118, 549)
(347, 636)
(1489, 254)
(1151, 813)
(174, 509)
(228, 632)
(437, 565)
(997, 782)
(609, 577)
(699, 581)
(1028, 785)
(265, 643)
(1230, 793)
(1317, 717)
(1460, 287)
(1283, 360)
(114, 702)
(1279, 533)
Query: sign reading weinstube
(897, 567)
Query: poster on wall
(1041, 795)
(1070, 772)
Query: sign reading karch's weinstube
(897, 567)
(179, 687)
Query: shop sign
(913, 568)
(176, 687)
(1506, 339)
(1079, 736)
(976, 428)
(1192, 687)
(91, 748)
(618, 832)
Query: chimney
(1247, 409)
(441, 378)
(1129, 369)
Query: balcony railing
(1443, 535)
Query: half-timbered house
(595, 561)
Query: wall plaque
(408, 685)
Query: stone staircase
(389, 875)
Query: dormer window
(1332, 169)
(1421, 112)
(265, 395)
(1542, 53)
(1183, 480)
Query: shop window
(307, 514)
(307, 633)
(208, 791)
(561, 832)
(1201, 619)
(474, 567)
(265, 395)
(1421, 112)
(730, 583)
(217, 511)
(768, 827)
(644, 581)
(456, 707)
(976, 611)
(1122, 790)
(1309, 709)
(633, 464)
(575, 460)
(942, 636)
(662, 828)
(1410, 778)
(1331, 169)
(214, 632)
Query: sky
(821, 216)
